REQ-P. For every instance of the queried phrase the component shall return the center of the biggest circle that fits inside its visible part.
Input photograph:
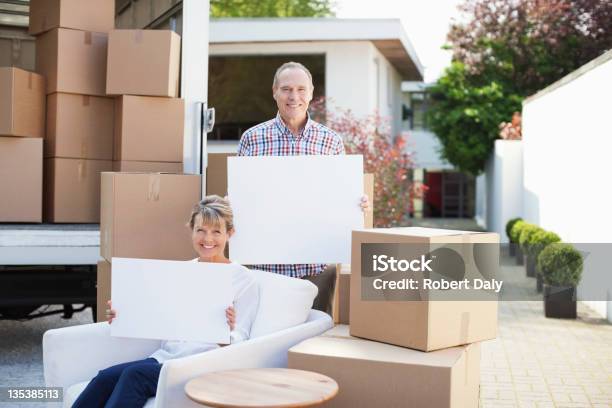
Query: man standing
(291, 133)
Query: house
(357, 64)
(365, 65)
(450, 194)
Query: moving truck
(55, 264)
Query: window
(418, 105)
(240, 89)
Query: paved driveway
(21, 350)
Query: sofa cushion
(284, 302)
(72, 393)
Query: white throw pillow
(284, 302)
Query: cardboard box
(149, 129)
(341, 304)
(145, 215)
(103, 288)
(79, 126)
(22, 103)
(72, 190)
(368, 181)
(216, 174)
(372, 374)
(426, 322)
(342, 292)
(147, 167)
(21, 175)
(143, 62)
(73, 61)
(216, 178)
(87, 15)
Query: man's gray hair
(290, 65)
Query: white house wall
(389, 101)
(480, 215)
(350, 73)
(426, 147)
(567, 141)
(504, 186)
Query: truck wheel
(68, 311)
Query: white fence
(567, 145)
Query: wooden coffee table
(261, 387)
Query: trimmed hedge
(560, 264)
(509, 226)
(537, 241)
(527, 231)
(515, 231)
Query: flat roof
(387, 35)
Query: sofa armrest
(74, 354)
(266, 351)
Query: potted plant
(515, 233)
(509, 225)
(561, 267)
(539, 241)
(525, 243)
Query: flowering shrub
(383, 155)
(512, 130)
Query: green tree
(271, 8)
(465, 117)
(503, 51)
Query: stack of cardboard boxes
(143, 69)
(71, 47)
(22, 127)
(145, 205)
(87, 130)
(406, 353)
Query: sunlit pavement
(540, 362)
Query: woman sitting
(131, 384)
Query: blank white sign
(294, 209)
(171, 300)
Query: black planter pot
(530, 265)
(519, 256)
(539, 283)
(560, 301)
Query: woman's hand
(230, 314)
(110, 312)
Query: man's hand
(365, 203)
(110, 312)
(230, 314)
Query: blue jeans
(123, 385)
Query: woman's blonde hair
(213, 209)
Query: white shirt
(246, 302)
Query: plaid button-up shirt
(273, 138)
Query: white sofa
(72, 356)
